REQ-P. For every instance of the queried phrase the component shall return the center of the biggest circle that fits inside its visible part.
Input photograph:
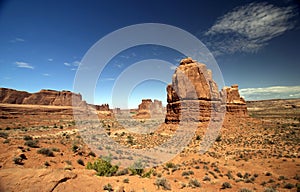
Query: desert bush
(226, 185)
(170, 165)
(80, 162)
(108, 187)
(91, 153)
(206, 178)
(18, 160)
(4, 135)
(47, 164)
(268, 174)
(126, 180)
(27, 137)
(75, 148)
(270, 189)
(122, 172)
(6, 141)
(245, 190)
(45, 151)
(289, 186)
(137, 168)
(162, 182)
(194, 183)
(55, 149)
(219, 138)
(32, 143)
(103, 168)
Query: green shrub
(46, 152)
(245, 190)
(32, 143)
(103, 168)
(18, 160)
(126, 180)
(4, 135)
(108, 187)
(27, 137)
(170, 165)
(162, 182)
(289, 186)
(137, 168)
(226, 185)
(91, 153)
(194, 183)
(80, 162)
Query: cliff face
(43, 97)
(194, 96)
(148, 109)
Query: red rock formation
(103, 107)
(148, 109)
(235, 104)
(43, 97)
(12, 96)
(193, 95)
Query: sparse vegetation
(4, 135)
(162, 182)
(226, 185)
(45, 151)
(32, 143)
(108, 187)
(103, 168)
(80, 162)
(194, 183)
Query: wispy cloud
(46, 75)
(107, 79)
(16, 40)
(50, 59)
(274, 92)
(23, 65)
(74, 65)
(249, 28)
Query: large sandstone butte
(194, 96)
(148, 109)
(43, 97)
(235, 104)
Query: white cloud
(173, 67)
(50, 59)
(16, 40)
(46, 74)
(274, 92)
(67, 64)
(249, 28)
(74, 65)
(107, 79)
(23, 65)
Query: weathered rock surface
(194, 96)
(235, 104)
(148, 109)
(103, 107)
(19, 179)
(43, 97)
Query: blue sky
(255, 43)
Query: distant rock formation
(43, 97)
(148, 109)
(103, 107)
(194, 96)
(235, 104)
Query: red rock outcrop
(194, 96)
(43, 97)
(12, 96)
(235, 104)
(148, 109)
(103, 107)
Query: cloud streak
(249, 28)
(21, 64)
(274, 92)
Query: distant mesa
(148, 109)
(43, 97)
(194, 95)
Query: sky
(255, 44)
